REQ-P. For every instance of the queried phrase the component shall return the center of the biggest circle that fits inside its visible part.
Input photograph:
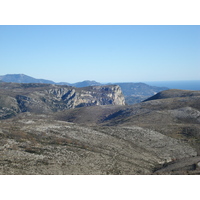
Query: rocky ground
(43, 146)
(158, 136)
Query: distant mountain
(85, 84)
(63, 83)
(139, 89)
(21, 78)
(137, 92)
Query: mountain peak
(22, 78)
(86, 83)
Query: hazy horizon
(162, 81)
(182, 84)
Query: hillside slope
(43, 146)
(176, 114)
(174, 93)
(45, 98)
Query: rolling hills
(52, 129)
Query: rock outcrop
(44, 98)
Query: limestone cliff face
(100, 95)
(89, 96)
(43, 98)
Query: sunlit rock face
(43, 98)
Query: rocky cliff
(44, 98)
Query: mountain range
(133, 92)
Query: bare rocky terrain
(43, 146)
(49, 129)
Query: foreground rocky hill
(176, 116)
(45, 98)
(43, 146)
(158, 136)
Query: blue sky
(101, 53)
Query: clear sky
(101, 53)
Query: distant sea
(183, 85)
